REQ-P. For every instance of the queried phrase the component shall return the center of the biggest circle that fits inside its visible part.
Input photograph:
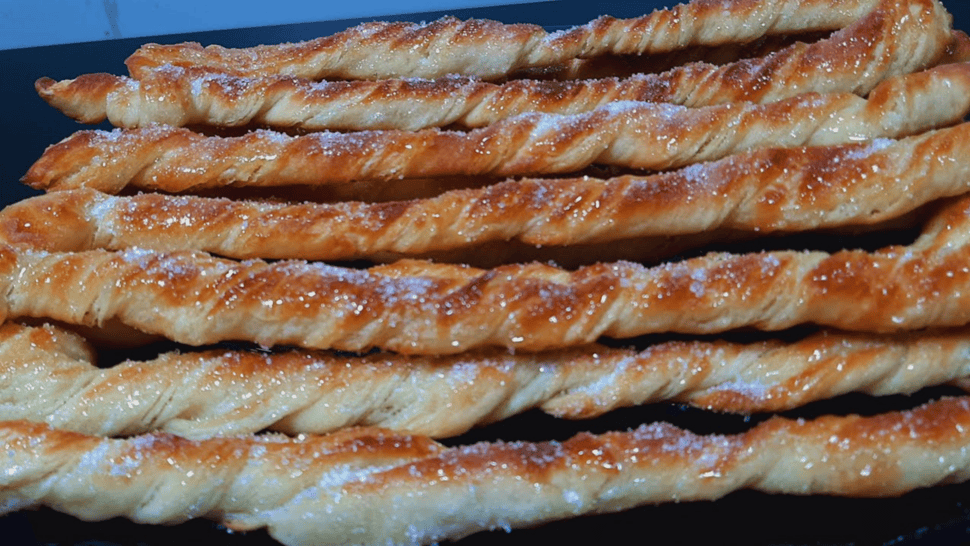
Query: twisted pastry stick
(856, 61)
(623, 66)
(375, 487)
(769, 190)
(422, 307)
(46, 375)
(488, 49)
(184, 96)
(627, 134)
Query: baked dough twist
(196, 96)
(765, 191)
(426, 308)
(625, 134)
(374, 487)
(47, 375)
(488, 49)
(179, 95)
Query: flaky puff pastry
(179, 95)
(488, 49)
(367, 486)
(197, 96)
(624, 134)
(47, 375)
(774, 190)
(426, 308)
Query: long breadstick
(626, 134)
(184, 96)
(422, 307)
(488, 49)
(373, 487)
(856, 62)
(46, 375)
(766, 191)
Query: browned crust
(419, 484)
(420, 307)
(627, 134)
(854, 61)
(376, 486)
(959, 49)
(158, 472)
(85, 88)
(48, 376)
(765, 191)
(451, 46)
(624, 66)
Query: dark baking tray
(939, 515)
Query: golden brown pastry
(368, 486)
(375, 486)
(623, 66)
(488, 49)
(193, 96)
(959, 49)
(426, 308)
(624, 134)
(47, 375)
(764, 191)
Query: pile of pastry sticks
(425, 228)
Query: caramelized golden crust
(426, 308)
(625, 134)
(46, 375)
(959, 49)
(186, 96)
(623, 66)
(502, 340)
(375, 487)
(488, 49)
(765, 191)
(165, 479)
(855, 60)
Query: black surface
(935, 516)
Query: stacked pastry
(380, 239)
